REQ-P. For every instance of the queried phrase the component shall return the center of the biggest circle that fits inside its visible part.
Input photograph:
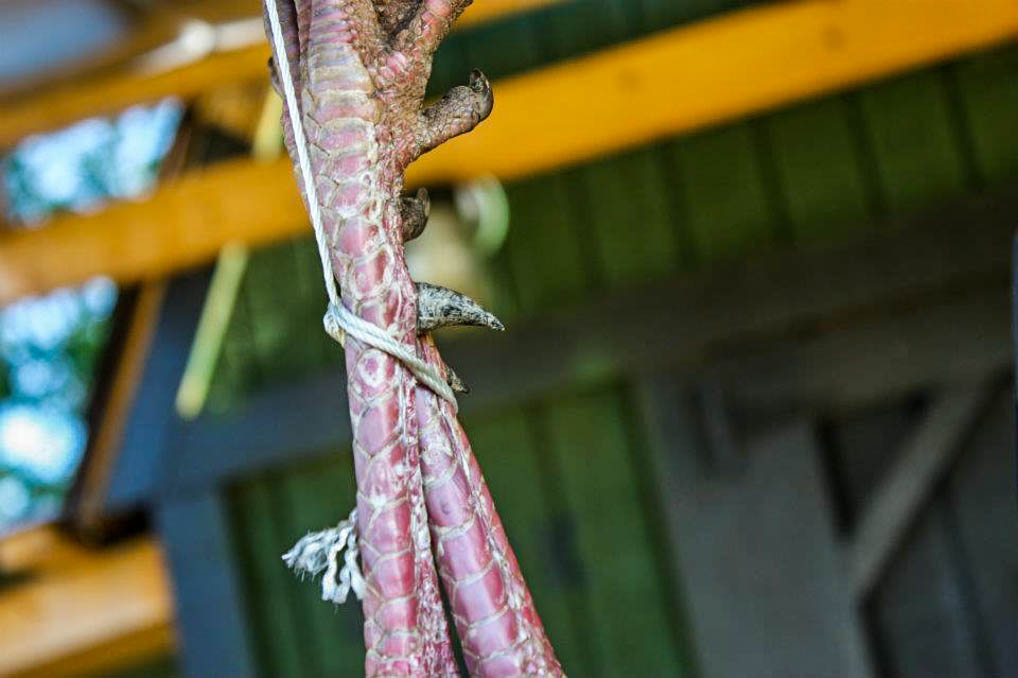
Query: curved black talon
(480, 85)
(441, 307)
(415, 211)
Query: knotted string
(319, 552)
(339, 320)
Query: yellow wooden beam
(108, 93)
(710, 72)
(125, 652)
(81, 610)
(184, 224)
(682, 79)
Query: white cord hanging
(339, 320)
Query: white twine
(338, 319)
(318, 551)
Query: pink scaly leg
(363, 70)
(405, 629)
(498, 625)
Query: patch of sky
(84, 165)
(50, 345)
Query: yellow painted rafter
(98, 95)
(81, 611)
(675, 81)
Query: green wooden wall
(569, 473)
(813, 173)
(568, 478)
(294, 632)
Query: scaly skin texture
(405, 629)
(495, 617)
(360, 70)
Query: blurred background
(753, 414)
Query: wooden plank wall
(590, 496)
(749, 517)
(945, 606)
(716, 195)
(573, 477)
(813, 173)
(296, 634)
(803, 174)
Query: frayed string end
(321, 551)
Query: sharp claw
(479, 81)
(454, 381)
(274, 77)
(480, 85)
(441, 307)
(415, 212)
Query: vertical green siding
(294, 631)
(313, 301)
(543, 250)
(631, 632)
(989, 87)
(917, 154)
(502, 49)
(517, 478)
(272, 611)
(569, 493)
(580, 26)
(818, 169)
(630, 219)
(316, 497)
(724, 192)
(263, 291)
